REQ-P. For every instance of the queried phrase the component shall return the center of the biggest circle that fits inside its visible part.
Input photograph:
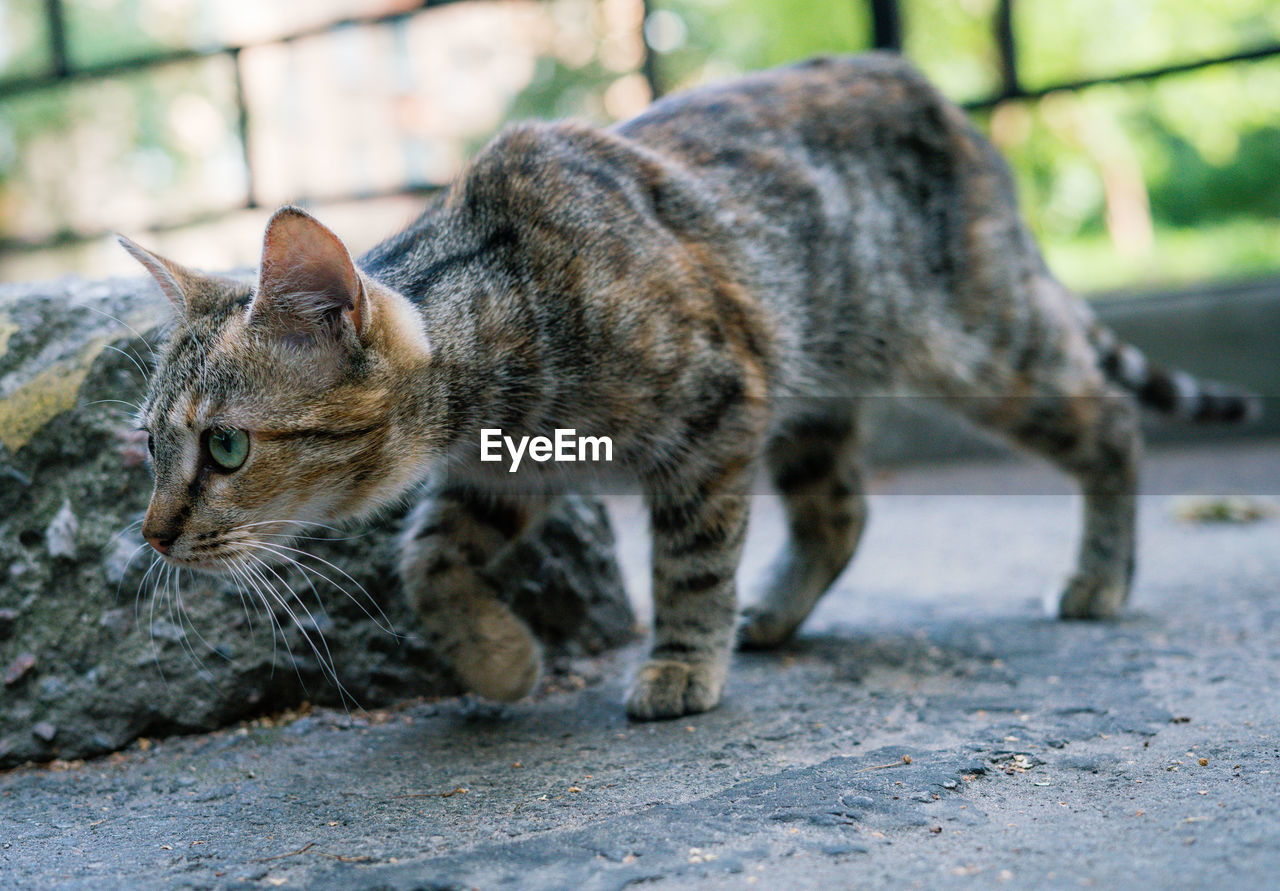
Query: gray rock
(60, 536)
(130, 656)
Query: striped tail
(1169, 391)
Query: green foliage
(1225, 251)
(1097, 38)
(728, 36)
(1192, 153)
(110, 30)
(953, 42)
(107, 154)
(1142, 183)
(559, 90)
(23, 38)
(1139, 184)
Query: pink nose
(159, 542)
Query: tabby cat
(714, 285)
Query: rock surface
(97, 648)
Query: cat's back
(796, 145)
(792, 189)
(821, 111)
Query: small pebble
(21, 664)
(60, 536)
(8, 617)
(44, 731)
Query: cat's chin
(205, 566)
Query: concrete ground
(931, 727)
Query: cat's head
(274, 405)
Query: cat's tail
(1170, 391)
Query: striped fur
(1170, 391)
(716, 285)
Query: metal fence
(887, 26)
(887, 34)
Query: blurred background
(1145, 133)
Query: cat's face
(272, 405)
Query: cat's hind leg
(816, 466)
(1062, 408)
(1106, 464)
(450, 538)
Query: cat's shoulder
(536, 158)
(566, 173)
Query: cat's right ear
(308, 286)
(179, 284)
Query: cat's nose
(162, 526)
(160, 543)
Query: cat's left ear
(190, 292)
(308, 287)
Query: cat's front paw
(1088, 596)
(500, 660)
(666, 688)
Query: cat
(715, 285)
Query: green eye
(228, 447)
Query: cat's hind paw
(1088, 596)
(666, 688)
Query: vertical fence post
(649, 64)
(1005, 45)
(242, 129)
(886, 25)
(57, 25)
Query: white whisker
(293, 617)
(289, 522)
(112, 540)
(146, 378)
(244, 605)
(182, 612)
(292, 536)
(124, 572)
(277, 550)
(252, 579)
(133, 405)
(137, 597)
(175, 616)
(151, 615)
(125, 325)
(325, 659)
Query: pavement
(931, 727)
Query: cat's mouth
(215, 565)
(226, 557)
(223, 551)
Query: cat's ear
(308, 287)
(186, 289)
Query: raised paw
(762, 628)
(665, 688)
(1092, 597)
(500, 658)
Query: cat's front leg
(697, 539)
(450, 539)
